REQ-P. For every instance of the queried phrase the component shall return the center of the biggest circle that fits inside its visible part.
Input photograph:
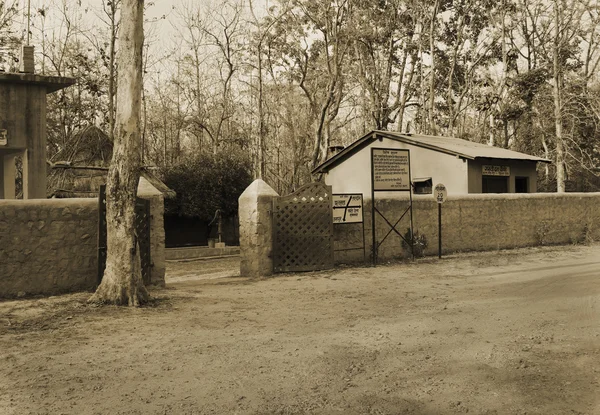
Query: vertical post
(28, 19)
(220, 226)
(374, 242)
(9, 170)
(363, 230)
(439, 230)
(410, 186)
(256, 230)
(101, 233)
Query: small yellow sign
(3, 137)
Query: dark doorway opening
(494, 184)
(521, 184)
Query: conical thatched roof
(81, 167)
(89, 147)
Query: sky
(160, 25)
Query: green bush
(207, 182)
(419, 243)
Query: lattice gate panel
(303, 230)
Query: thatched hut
(81, 167)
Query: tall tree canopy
(285, 83)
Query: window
(494, 184)
(423, 186)
(521, 184)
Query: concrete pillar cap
(258, 188)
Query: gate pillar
(256, 230)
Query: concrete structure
(256, 229)
(481, 222)
(463, 166)
(23, 131)
(157, 230)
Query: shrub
(207, 182)
(419, 243)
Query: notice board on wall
(391, 169)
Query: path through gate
(303, 230)
(142, 228)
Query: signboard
(3, 137)
(440, 193)
(347, 208)
(489, 170)
(391, 169)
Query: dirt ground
(508, 332)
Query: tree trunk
(122, 283)
(557, 85)
(432, 126)
(260, 147)
(492, 138)
(111, 75)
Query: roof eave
(537, 160)
(408, 140)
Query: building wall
(517, 168)
(354, 174)
(48, 246)
(479, 222)
(23, 115)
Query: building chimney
(333, 150)
(26, 63)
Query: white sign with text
(489, 170)
(440, 193)
(391, 169)
(347, 208)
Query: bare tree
(122, 282)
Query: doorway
(521, 184)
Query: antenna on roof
(26, 64)
(28, 19)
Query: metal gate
(303, 230)
(142, 229)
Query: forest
(273, 84)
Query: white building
(462, 166)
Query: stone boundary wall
(48, 246)
(479, 222)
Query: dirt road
(510, 332)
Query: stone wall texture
(47, 246)
(478, 223)
(256, 230)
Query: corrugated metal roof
(449, 145)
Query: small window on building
(521, 184)
(423, 186)
(494, 184)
